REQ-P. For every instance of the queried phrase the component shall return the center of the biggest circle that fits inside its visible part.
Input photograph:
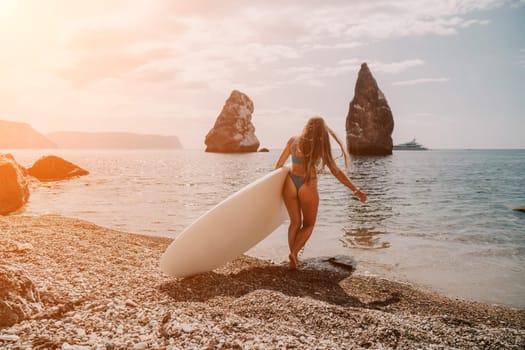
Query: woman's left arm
(339, 175)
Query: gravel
(102, 289)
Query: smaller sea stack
(233, 131)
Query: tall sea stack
(369, 123)
(233, 131)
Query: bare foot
(293, 262)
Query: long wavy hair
(314, 143)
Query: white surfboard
(229, 229)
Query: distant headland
(22, 135)
(74, 139)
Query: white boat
(410, 146)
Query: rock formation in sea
(19, 298)
(53, 168)
(233, 131)
(369, 123)
(22, 135)
(14, 189)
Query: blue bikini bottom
(298, 180)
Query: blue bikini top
(295, 158)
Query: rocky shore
(102, 289)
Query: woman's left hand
(361, 195)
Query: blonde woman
(311, 152)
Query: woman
(311, 152)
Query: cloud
(154, 75)
(364, 21)
(335, 46)
(395, 67)
(316, 75)
(88, 69)
(259, 53)
(469, 23)
(106, 47)
(245, 35)
(215, 42)
(421, 81)
(250, 36)
(106, 33)
(204, 8)
(105, 39)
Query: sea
(440, 219)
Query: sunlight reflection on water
(425, 209)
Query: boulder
(14, 189)
(53, 168)
(233, 131)
(369, 123)
(19, 298)
(264, 149)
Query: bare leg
(308, 203)
(291, 201)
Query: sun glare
(6, 4)
(7, 8)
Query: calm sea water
(441, 219)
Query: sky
(452, 71)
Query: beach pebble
(140, 346)
(130, 303)
(9, 337)
(302, 339)
(187, 328)
(67, 346)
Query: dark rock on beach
(14, 190)
(19, 298)
(233, 131)
(369, 123)
(264, 150)
(53, 168)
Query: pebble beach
(102, 289)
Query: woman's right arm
(285, 154)
(339, 175)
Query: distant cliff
(73, 139)
(22, 135)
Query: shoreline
(102, 289)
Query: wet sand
(102, 289)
